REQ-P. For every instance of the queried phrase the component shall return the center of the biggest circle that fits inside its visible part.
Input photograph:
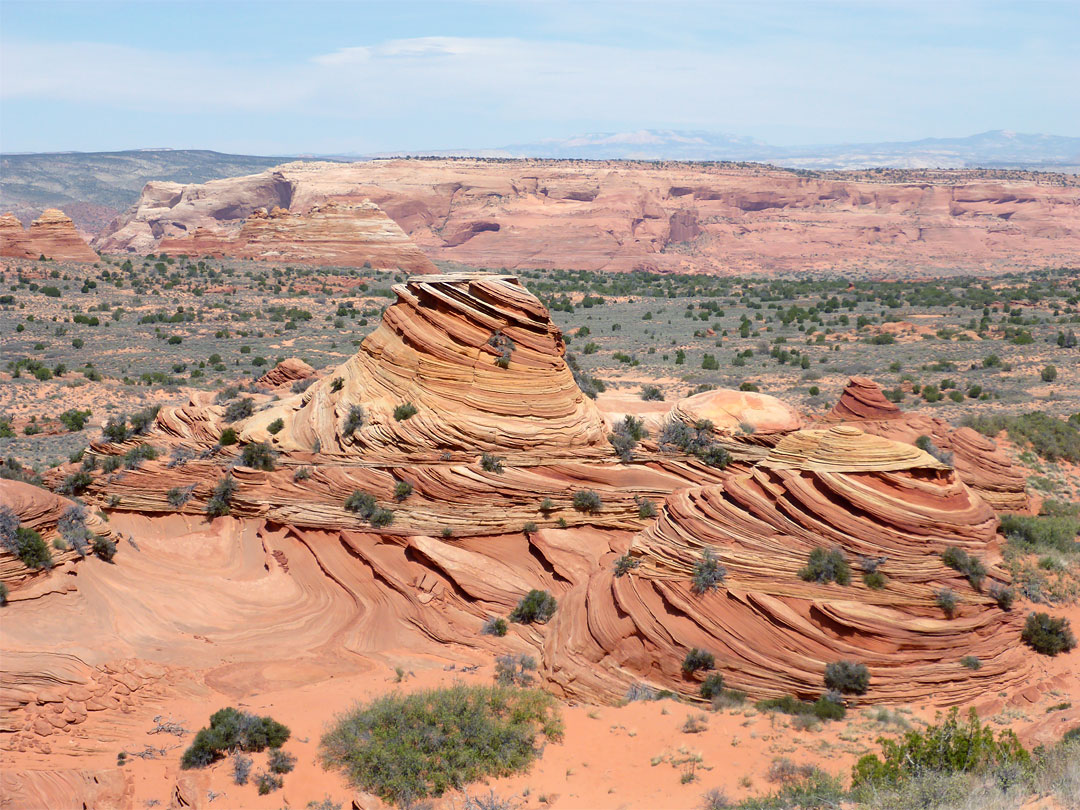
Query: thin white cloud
(446, 86)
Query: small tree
(697, 660)
(848, 677)
(536, 607)
(1048, 374)
(1048, 635)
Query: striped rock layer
(979, 462)
(52, 235)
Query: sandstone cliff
(52, 235)
(340, 234)
(625, 216)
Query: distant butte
(52, 235)
(623, 216)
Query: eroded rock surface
(52, 235)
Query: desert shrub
(535, 607)
(27, 545)
(74, 419)
(824, 708)
(228, 437)
(405, 748)
(546, 505)
(362, 503)
(354, 420)
(75, 483)
(279, 761)
(875, 580)
(233, 730)
(1002, 595)
(945, 599)
(712, 686)
(116, 430)
(1048, 635)
(624, 564)
(697, 440)
(646, 509)
(72, 527)
(708, 573)
(969, 566)
(337, 384)
(826, 565)
(301, 474)
(625, 437)
(847, 677)
(138, 454)
(495, 626)
(926, 444)
(651, 393)
(529, 528)
(178, 496)
(258, 456)
(515, 670)
(239, 409)
(697, 660)
(220, 498)
(587, 501)
(971, 662)
(111, 464)
(404, 411)
(402, 490)
(103, 547)
(1049, 373)
(1033, 534)
(381, 518)
(3, 594)
(948, 747)
(142, 420)
(267, 782)
(1053, 439)
(275, 427)
(241, 765)
(491, 463)
(300, 386)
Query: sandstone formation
(288, 371)
(978, 460)
(41, 510)
(339, 234)
(741, 420)
(772, 632)
(51, 235)
(626, 216)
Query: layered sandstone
(52, 235)
(332, 233)
(772, 632)
(288, 371)
(979, 462)
(626, 216)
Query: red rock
(339, 234)
(622, 215)
(52, 234)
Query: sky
(284, 78)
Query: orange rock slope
(479, 359)
(52, 235)
(676, 217)
(978, 460)
(340, 234)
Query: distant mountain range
(997, 149)
(94, 187)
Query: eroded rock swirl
(478, 358)
(977, 460)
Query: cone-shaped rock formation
(52, 235)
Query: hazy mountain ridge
(993, 149)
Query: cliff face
(625, 216)
(340, 234)
(52, 234)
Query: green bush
(651, 393)
(103, 547)
(697, 660)
(495, 626)
(847, 677)
(826, 565)
(971, 567)
(708, 573)
(1048, 635)
(354, 420)
(279, 761)
(587, 501)
(405, 411)
(712, 686)
(220, 499)
(1034, 534)
(381, 518)
(824, 708)
(362, 503)
(31, 550)
(258, 456)
(1002, 595)
(945, 599)
(74, 419)
(402, 490)
(947, 747)
(239, 409)
(275, 427)
(405, 748)
(535, 607)
(228, 437)
(971, 662)
(232, 730)
(1052, 439)
(489, 462)
(624, 564)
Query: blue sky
(313, 77)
